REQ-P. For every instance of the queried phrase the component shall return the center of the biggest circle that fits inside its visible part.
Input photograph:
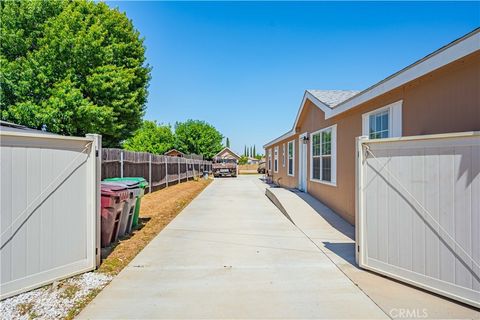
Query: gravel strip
(52, 301)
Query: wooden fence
(160, 171)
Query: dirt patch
(249, 172)
(157, 210)
(247, 167)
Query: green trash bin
(143, 184)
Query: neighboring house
(174, 153)
(437, 94)
(251, 160)
(227, 153)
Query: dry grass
(79, 305)
(24, 308)
(69, 290)
(157, 210)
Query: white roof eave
(282, 137)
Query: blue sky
(243, 66)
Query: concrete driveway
(232, 254)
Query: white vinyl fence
(418, 211)
(49, 207)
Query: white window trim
(283, 156)
(333, 173)
(293, 159)
(275, 160)
(394, 118)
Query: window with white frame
(323, 155)
(291, 158)
(385, 122)
(378, 124)
(283, 155)
(275, 159)
(269, 159)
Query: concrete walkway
(232, 254)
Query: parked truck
(224, 167)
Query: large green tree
(73, 66)
(151, 137)
(199, 137)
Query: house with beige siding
(227, 153)
(439, 93)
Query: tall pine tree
(228, 143)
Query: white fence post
(358, 195)
(121, 164)
(98, 153)
(149, 173)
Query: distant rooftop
(332, 98)
(13, 127)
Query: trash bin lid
(111, 188)
(131, 182)
(128, 183)
(115, 190)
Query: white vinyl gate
(49, 202)
(418, 211)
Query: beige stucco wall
(446, 100)
(281, 177)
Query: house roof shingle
(332, 98)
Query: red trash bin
(114, 201)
